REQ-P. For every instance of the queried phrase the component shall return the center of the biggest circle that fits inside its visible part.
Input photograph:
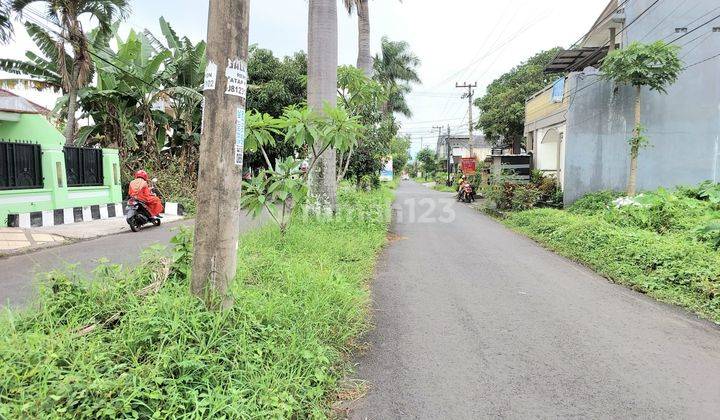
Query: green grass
(278, 353)
(671, 267)
(444, 188)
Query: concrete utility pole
(439, 128)
(449, 165)
(469, 96)
(221, 152)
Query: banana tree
(184, 72)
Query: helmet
(141, 174)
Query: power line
(39, 20)
(693, 30)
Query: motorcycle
(137, 214)
(466, 194)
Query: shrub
(594, 202)
(710, 233)
(524, 197)
(369, 182)
(278, 353)
(669, 267)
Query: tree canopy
(502, 108)
(654, 65)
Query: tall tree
(67, 14)
(395, 69)
(322, 90)
(502, 108)
(656, 66)
(364, 60)
(38, 71)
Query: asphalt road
(19, 274)
(475, 321)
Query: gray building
(590, 141)
(460, 146)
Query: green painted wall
(55, 193)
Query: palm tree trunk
(364, 61)
(322, 88)
(71, 123)
(635, 146)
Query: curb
(67, 216)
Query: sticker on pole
(236, 73)
(210, 76)
(239, 136)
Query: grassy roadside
(444, 188)
(670, 267)
(279, 353)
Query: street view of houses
(250, 209)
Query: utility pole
(221, 152)
(439, 128)
(469, 96)
(449, 167)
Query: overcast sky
(457, 41)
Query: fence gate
(20, 166)
(83, 167)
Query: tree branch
(347, 164)
(267, 159)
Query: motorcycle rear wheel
(134, 226)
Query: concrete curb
(65, 216)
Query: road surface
(18, 274)
(475, 321)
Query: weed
(278, 353)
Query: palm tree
(322, 90)
(40, 72)
(6, 27)
(365, 60)
(66, 14)
(395, 69)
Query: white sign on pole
(239, 136)
(236, 73)
(210, 76)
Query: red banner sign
(469, 166)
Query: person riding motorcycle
(140, 190)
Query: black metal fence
(83, 167)
(20, 166)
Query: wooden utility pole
(469, 96)
(221, 152)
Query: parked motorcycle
(137, 214)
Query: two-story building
(457, 146)
(578, 128)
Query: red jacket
(140, 190)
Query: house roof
(459, 140)
(576, 59)
(13, 103)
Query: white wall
(546, 149)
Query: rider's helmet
(141, 174)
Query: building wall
(541, 106)
(683, 126)
(55, 193)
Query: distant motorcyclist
(140, 190)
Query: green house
(45, 183)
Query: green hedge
(278, 353)
(669, 267)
